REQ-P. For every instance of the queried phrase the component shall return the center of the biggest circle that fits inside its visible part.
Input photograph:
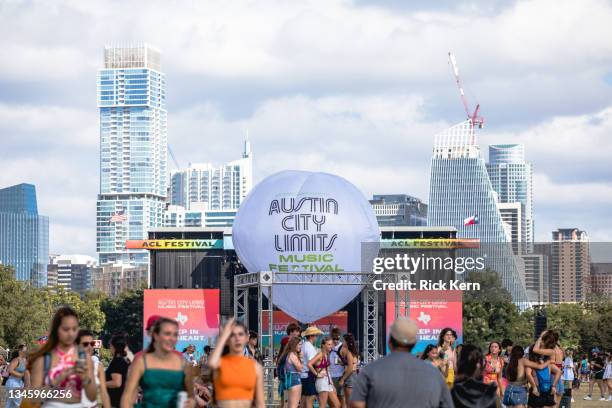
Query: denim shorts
(515, 395)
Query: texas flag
(470, 220)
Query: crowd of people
(310, 366)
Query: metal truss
(263, 282)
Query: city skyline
(363, 97)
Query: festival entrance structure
(263, 282)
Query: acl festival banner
(196, 311)
(433, 311)
(299, 224)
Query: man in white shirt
(336, 365)
(309, 390)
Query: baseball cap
(151, 321)
(404, 331)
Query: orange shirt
(235, 379)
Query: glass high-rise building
(511, 178)
(213, 188)
(133, 151)
(460, 189)
(24, 234)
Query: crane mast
(473, 117)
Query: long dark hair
(498, 345)
(443, 333)
(119, 343)
(468, 363)
(515, 355)
(157, 329)
(427, 350)
(351, 345)
(53, 339)
(289, 348)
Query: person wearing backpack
(289, 369)
(542, 395)
(337, 362)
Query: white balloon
(304, 221)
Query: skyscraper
(460, 189)
(213, 188)
(72, 272)
(511, 178)
(571, 265)
(399, 210)
(24, 234)
(133, 151)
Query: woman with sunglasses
(117, 371)
(85, 339)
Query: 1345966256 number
(38, 394)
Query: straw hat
(312, 331)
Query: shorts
(308, 386)
(324, 384)
(584, 371)
(339, 389)
(515, 395)
(560, 388)
(599, 375)
(348, 383)
(291, 380)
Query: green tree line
(26, 312)
(489, 315)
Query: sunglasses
(88, 343)
(336, 338)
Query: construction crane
(173, 158)
(473, 117)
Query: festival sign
(196, 311)
(174, 244)
(420, 243)
(432, 311)
(299, 222)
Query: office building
(512, 215)
(601, 279)
(399, 210)
(536, 277)
(133, 151)
(511, 178)
(461, 195)
(213, 188)
(113, 279)
(179, 217)
(570, 265)
(24, 234)
(72, 272)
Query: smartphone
(81, 362)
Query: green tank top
(161, 386)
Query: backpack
(544, 380)
(282, 373)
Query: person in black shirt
(597, 368)
(116, 373)
(469, 390)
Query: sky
(354, 88)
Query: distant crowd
(311, 368)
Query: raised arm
(296, 361)
(531, 364)
(215, 358)
(537, 348)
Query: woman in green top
(161, 372)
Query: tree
(23, 316)
(124, 315)
(489, 314)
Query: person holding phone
(61, 365)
